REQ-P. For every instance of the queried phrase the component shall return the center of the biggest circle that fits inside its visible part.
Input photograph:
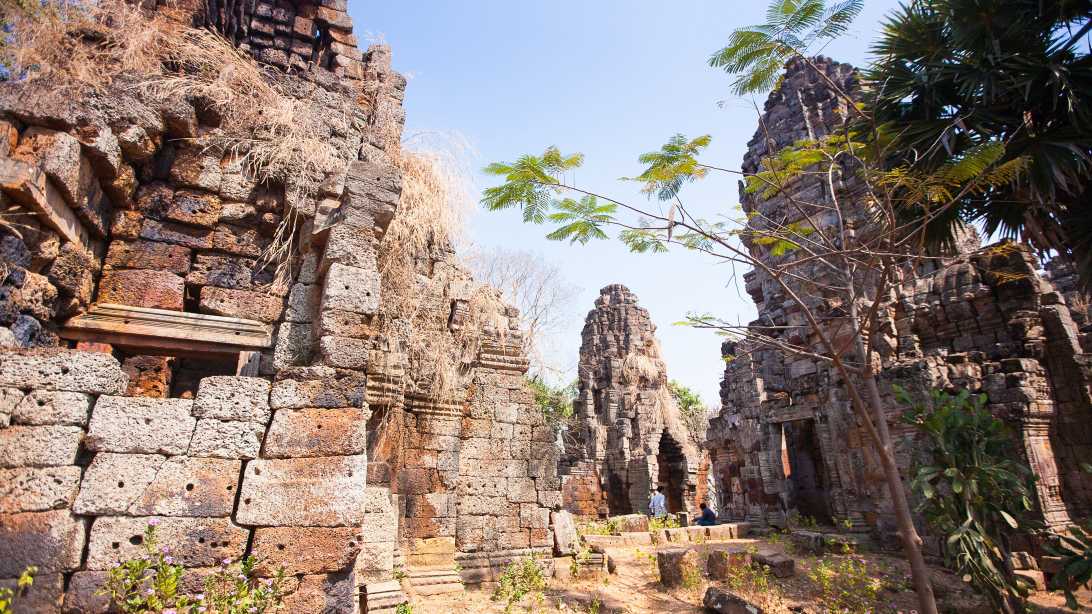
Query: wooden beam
(28, 185)
(161, 331)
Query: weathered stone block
(345, 324)
(238, 240)
(351, 289)
(73, 272)
(723, 563)
(194, 168)
(37, 489)
(39, 446)
(153, 485)
(244, 399)
(303, 303)
(305, 550)
(345, 352)
(148, 255)
(194, 542)
(334, 488)
(350, 245)
(58, 154)
(44, 597)
(677, 566)
(91, 372)
(723, 601)
(149, 376)
(100, 145)
(241, 304)
(179, 234)
(52, 541)
(196, 208)
(295, 344)
(335, 390)
(126, 224)
(83, 597)
(41, 407)
(226, 439)
(317, 432)
(228, 272)
(142, 288)
(141, 425)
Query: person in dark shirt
(708, 516)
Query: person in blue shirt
(657, 505)
(708, 516)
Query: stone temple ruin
(985, 319)
(152, 367)
(629, 434)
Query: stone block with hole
(139, 425)
(305, 550)
(349, 288)
(214, 438)
(38, 489)
(194, 542)
(233, 398)
(42, 407)
(317, 432)
(153, 485)
(274, 492)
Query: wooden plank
(28, 185)
(162, 331)
(249, 364)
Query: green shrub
(404, 608)
(150, 584)
(8, 596)
(1075, 548)
(609, 526)
(667, 522)
(521, 579)
(845, 587)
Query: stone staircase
(430, 567)
(380, 593)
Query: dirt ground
(634, 588)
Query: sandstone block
(780, 565)
(42, 407)
(52, 541)
(120, 189)
(153, 485)
(334, 488)
(100, 145)
(193, 207)
(225, 397)
(344, 390)
(126, 224)
(295, 344)
(724, 563)
(136, 425)
(305, 550)
(351, 289)
(677, 566)
(140, 288)
(39, 446)
(72, 370)
(322, 593)
(303, 303)
(345, 352)
(566, 539)
(195, 168)
(226, 439)
(317, 432)
(58, 154)
(82, 596)
(227, 272)
(238, 240)
(351, 245)
(345, 324)
(136, 144)
(194, 542)
(148, 255)
(241, 304)
(179, 234)
(37, 489)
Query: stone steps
(434, 580)
(383, 597)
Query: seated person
(708, 516)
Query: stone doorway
(617, 495)
(671, 473)
(805, 472)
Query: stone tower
(984, 319)
(629, 434)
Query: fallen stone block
(333, 487)
(722, 601)
(566, 539)
(73, 370)
(781, 566)
(678, 567)
(722, 562)
(245, 399)
(194, 542)
(45, 407)
(39, 446)
(631, 523)
(317, 432)
(52, 541)
(137, 425)
(153, 485)
(642, 538)
(30, 489)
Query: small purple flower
(202, 609)
(149, 592)
(242, 577)
(170, 611)
(225, 562)
(153, 522)
(165, 549)
(252, 610)
(168, 560)
(200, 596)
(268, 581)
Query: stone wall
(629, 435)
(985, 319)
(230, 453)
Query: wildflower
(149, 592)
(165, 549)
(202, 609)
(168, 560)
(252, 610)
(170, 611)
(200, 596)
(268, 581)
(153, 522)
(242, 577)
(225, 562)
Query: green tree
(974, 491)
(953, 76)
(692, 409)
(556, 402)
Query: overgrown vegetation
(521, 578)
(609, 526)
(555, 402)
(151, 583)
(1075, 548)
(9, 596)
(692, 409)
(845, 585)
(665, 522)
(974, 491)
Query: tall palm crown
(953, 75)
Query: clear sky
(610, 79)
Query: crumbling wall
(984, 319)
(624, 413)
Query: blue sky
(610, 79)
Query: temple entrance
(617, 495)
(671, 474)
(805, 471)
